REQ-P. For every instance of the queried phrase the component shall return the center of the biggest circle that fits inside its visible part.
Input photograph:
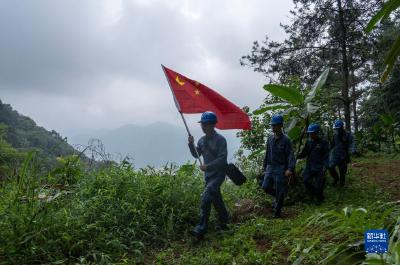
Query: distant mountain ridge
(155, 144)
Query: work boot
(196, 232)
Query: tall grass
(103, 217)
(118, 214)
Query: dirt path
(383, 173)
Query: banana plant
(394, 52)
(295, 104)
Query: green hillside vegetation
(119, 215)
(10, 158)
(23, 134)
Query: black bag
(235, 174)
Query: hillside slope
(24, 134)
(100, 219)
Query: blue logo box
(376, 241)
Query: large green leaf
(394, 52)
(318, 84)
(390, 59)
(385, 11)
(286, 93)
(275, 106)
(289, 111)
(294, 133)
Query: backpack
(235, 174)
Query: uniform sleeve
(291, 161)
(266, 155)
(222, 156)
(193, 150)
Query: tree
(296, 104)
(381, 97)
(322, 33)
(9, 156)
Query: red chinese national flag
(193, 97)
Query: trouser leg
(281, 191)
(342, 172)
(270, 191)
(308, 177)
(320, 183)
(268, 185)
(205, 209)
(334, 174)
(279, 203)
(269, 188)
(275, 184)
(219, 206)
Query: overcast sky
(73, 65)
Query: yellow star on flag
(197, 92)
(181, 83)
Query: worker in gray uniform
(212, 146)
(279, 164)
(316, 150)
(342, 145)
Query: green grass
(118, 215)
(308, 234)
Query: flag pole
(183, 117)
(187, 129)
(184, 121)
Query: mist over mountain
(155, 144)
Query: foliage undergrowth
(104, 216)
(121, 215)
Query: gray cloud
(73, 65)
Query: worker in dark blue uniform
(279, 164)
(212, 146)
(316, 151)
(342, 144)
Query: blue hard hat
(338, 124)
(276, 119)
(208, 117)
(313, 127)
